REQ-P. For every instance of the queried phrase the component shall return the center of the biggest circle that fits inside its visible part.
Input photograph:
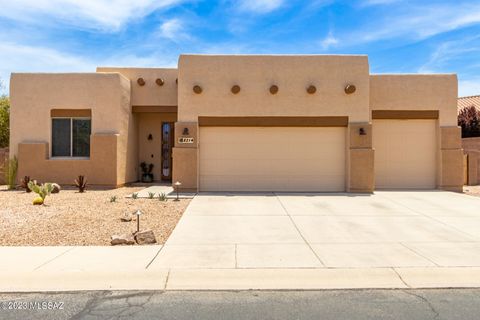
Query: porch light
(274, 89)
(138, 214)
(141, 81)
(177, 186)
(185, 132)
(362, 132)
(150, 137)
(350, 88)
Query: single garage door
(405, 154)
(272, 158)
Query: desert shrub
(113, 199)
(469, 120)
(151, 195)
(11, 168)
(162, 196)
(42, 190)
(81, 183)
(24, 184)
(135, 195)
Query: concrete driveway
(280, 230)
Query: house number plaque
(185, 140)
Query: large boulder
(123, 239)
(145, 237)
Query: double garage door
(314, 158)
(272, 158)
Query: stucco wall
(149, 94)
(216, 74)
(416, 92)
(106, 94)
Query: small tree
(469, 120)
(4, 121)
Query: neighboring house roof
(463, 102)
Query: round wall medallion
(197, 89)
(235, 89)
(159, 81)
(311, 89)
(273, 89)
(350, 88)
(141, 82)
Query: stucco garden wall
(471, 147)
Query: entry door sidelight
(167, 145)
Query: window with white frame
(71, 137)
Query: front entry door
(167, 145)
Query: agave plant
(81, 183)
(42, 190)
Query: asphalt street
(448, 304)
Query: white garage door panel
(272, 159)
(405, 154)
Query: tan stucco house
(241, 123)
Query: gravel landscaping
(472, 190)
(73, 218)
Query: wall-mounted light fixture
(235, 89)
(274, 89)
(362, 132)
(150, 137)
(160, 82)
(185, 132)
(197, 89)
(350, 88)
(141, 81)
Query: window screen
(61, 137)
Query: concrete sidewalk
(130, 268)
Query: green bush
(4, 121)
(11, 168)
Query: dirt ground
(89, 218)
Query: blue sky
(400, 36)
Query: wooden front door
(167, 145)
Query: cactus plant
(10, 169)
(81, 183)
(42, 190)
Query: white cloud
(260, 6)
(329, 41)
(419, 22)
(25, 58)
(87, 14)
(173, 30)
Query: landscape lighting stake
(138, 213)
(177, 186)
